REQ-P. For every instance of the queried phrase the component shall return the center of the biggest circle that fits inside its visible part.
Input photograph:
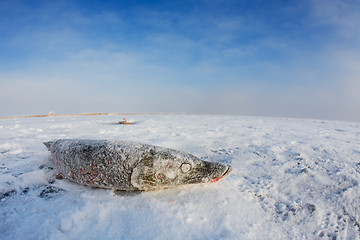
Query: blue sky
(265, 58)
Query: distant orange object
(124, 122)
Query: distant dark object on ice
(130, 166)
(125, 122)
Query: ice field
(291, 179)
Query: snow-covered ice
(291, 179)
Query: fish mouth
(225, 174)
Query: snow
(291, 179)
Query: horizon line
(86, 114)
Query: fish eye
(185, 167)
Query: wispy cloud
(260, 58)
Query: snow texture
(291, 179)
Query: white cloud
(342, 16)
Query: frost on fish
(130, 166)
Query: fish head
(171, 169)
